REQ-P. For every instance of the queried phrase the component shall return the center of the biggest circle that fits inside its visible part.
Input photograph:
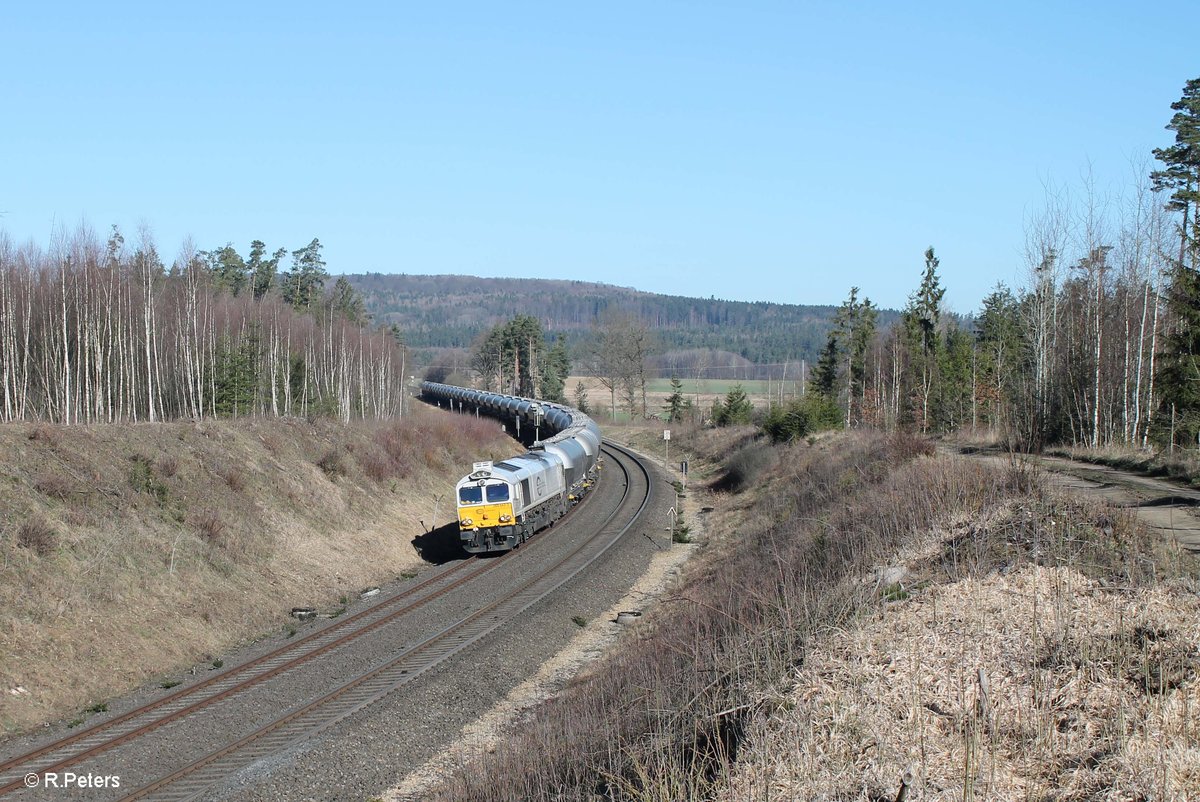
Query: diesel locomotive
(502, 504)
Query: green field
(722, 386)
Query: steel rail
(370, 687)
(101, 737)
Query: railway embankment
(132, 553)
(867, 615)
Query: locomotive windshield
(497, 493)
(470, 494)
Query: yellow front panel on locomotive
(483, 516)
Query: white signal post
(667, 440)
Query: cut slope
(130, 551)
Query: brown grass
(209, 526)
(235, 478)
(168, 465)
(54, 486)
(664, 718)
(1064, 671)
(332, 464)
(37, 535)
(217, 565)
(711, 703)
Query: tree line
(95, 331)
(1100, 347)
(446, 312)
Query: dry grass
(765, 675)
(54, 486)
(37, 535)
(665, 717)
(1183, 466)
(1040, 683)
(169, 518)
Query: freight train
(502, 504)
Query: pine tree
(515, 354)
(1178, 371)
(921, 318)
(227, 268)
(1001, 344)
(825, 373)
(675, 401)
(581, 399)
(736, 409)
(347, 302)
(1181, 174)
(555, 370)
(1179, 361)
(304, 283)
(262, 271)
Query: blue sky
(753, 151)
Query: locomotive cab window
(497, 493)
(470, 494)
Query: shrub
(143, 479)
(235, 478)
(332, 464)
(210, 527)
(787, 423)
(744, 466)
(44, 434)
(53, 485)
(38, 535)
(168, 465)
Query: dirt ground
(1167, 507)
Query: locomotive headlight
(505, 519)
(465, 522)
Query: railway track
(349, 697)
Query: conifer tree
(825, 373)
(1178, 369)
(347, 302)
(675, 401)
(555, 371)
(921, 318)
(1181, 171)
(736, 408)
(304, 283)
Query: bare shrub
(235, 478)
(332, 464)
(54, 486)
(209, 527)
(44, 434)
(38, 535)
(168, 465)
(375, 464)
(745, 466)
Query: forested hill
(451, 311)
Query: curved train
(501, 504)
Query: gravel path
(1167, 507)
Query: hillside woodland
(98, 332)
(453, 312)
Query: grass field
(721, 386)
(701, 392)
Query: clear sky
(750, 150)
